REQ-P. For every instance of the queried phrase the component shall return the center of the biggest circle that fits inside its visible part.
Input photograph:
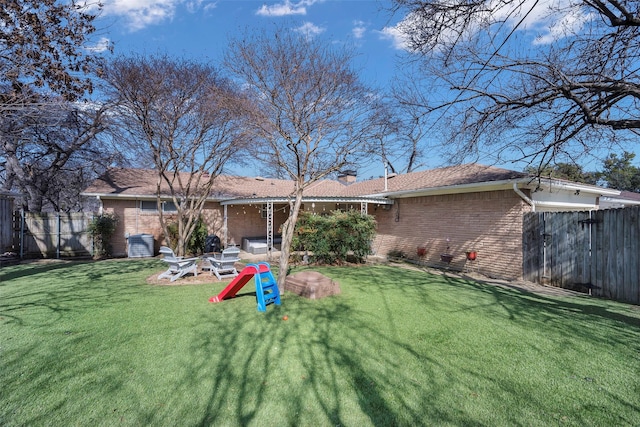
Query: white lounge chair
(178, 266)
(223, 265)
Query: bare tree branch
(315, 115)
(584, 88)
(188, 119)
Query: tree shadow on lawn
(64, 287)
(338, 361)
(37, 267)
(324, 356)
(573, 314)
(339, 366)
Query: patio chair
(178, 266)
(223, 265)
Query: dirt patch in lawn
(203, 277)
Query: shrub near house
(332, 237)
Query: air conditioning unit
(140, 246)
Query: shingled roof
(471, 173)
(140, 183)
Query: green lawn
(91, 344)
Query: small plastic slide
(266, 286)
(236, 284)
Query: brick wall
(488, 222)
(134, 221)
(242, 221)
(246, 221)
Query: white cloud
(397, 37)
(359, 28)
(567, 25)
(100, 46)
(139, 14)
(283, 9)
(310, 30)
(210, 6)
(551, 19)
(287, 7)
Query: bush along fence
(596, 252)
(52, 235)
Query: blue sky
(201, 29)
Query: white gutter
(524, 197)
(534, 203)
(305, 199)
(496, 185)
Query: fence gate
(591, 250)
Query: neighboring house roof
(630, 195)
(625, 198)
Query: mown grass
(93, 344)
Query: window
(148, 206)
(151, 206)
(169, 207)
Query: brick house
(447, 210)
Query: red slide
(236, 284)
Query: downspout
(224, 226)
(524, 197)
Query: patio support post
(224, 225)
(269, 229)
(363, 208)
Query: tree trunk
(287, 236)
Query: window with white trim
(151, 206)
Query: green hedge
(330, 238)
(102, 228)
(196, 243)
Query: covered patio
(275, 210)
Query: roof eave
(569, 186)
(111, 196)
(497, 185)
(448, 189)
(310, 199)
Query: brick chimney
(347, 176)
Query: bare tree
(532, 93)
(316, 117)
(50, 152)
(189, 120)
(44, 67)
(42, 45)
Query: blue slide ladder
(267, 291)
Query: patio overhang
(286, 200)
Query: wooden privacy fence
(52, 235)
(597, 251)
